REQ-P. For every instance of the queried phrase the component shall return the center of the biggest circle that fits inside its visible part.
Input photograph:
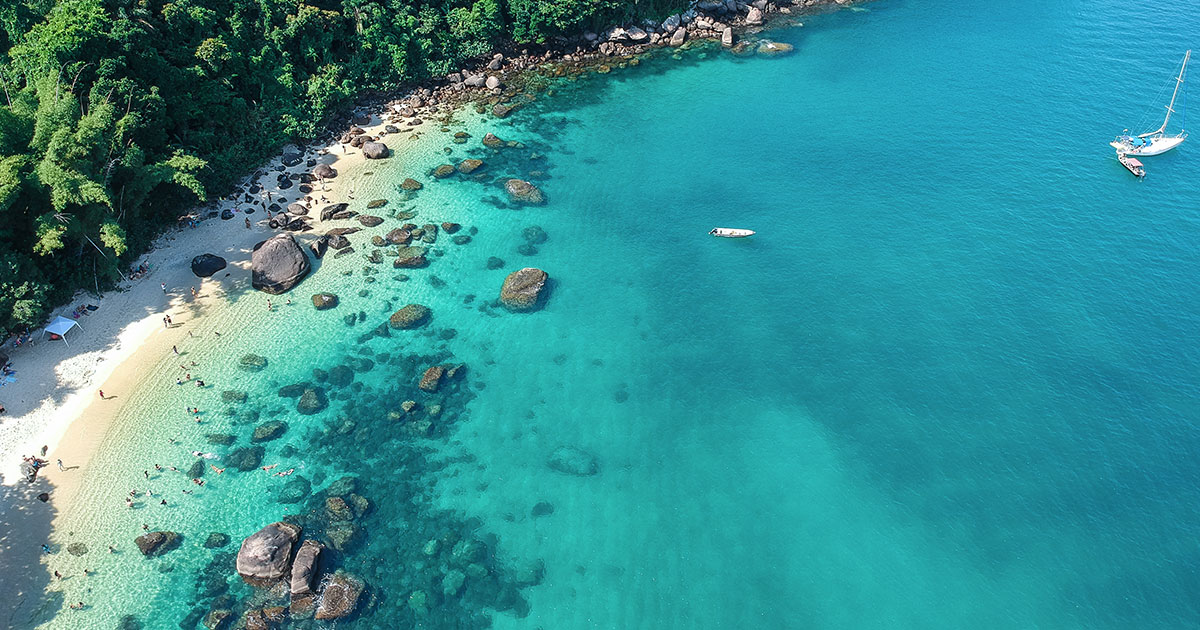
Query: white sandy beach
(55, 401)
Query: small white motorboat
(731, 232)
(1133, 164)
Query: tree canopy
(116, 114)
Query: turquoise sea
(951, 382)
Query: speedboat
(1133, 164)
(731, 232)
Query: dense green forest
(117, 114)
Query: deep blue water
(950, 383)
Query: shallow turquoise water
(950, 384)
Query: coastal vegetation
(118, 114)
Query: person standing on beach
(60, 466)
(175, 349)
(101, 394)
(166, 324)
(164, 286)
(247, 227)
(193, 297)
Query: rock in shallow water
(304, 569)
(521, 191)
(252, 362)
(522, 290)
(264, 554)
(340, 596)
(573, 460)
(411, 316)
(157, 543)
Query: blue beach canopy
(60, 326)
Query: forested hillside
(117, 114)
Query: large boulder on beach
(265, 554)
(304, 569)
(411, 316)
(324, 171)
(522, 191)
(572, 460)
(340, 596)
(157, 543)
(297, 209)
(334, 208)
(278, 264)
(522, 290)
(206, 265)
(375, 150)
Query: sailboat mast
(1178, 83)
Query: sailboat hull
(1156, 146)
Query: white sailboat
(1157, 141)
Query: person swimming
(204, 455)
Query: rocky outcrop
(319, 247)
(340, 596)
(297, 209)
(324, 171)
(521, 191)
(265, 555)
(492, 142)
(398, 236)
(375, 150)
(369, 220)
(206, 265)
(443, 171)
(469, 165)
(278, 264)
(304, 569)
(575, 461)
(322, 301)
(432, 378)
(522, 290)
(769, 48)
(157, 543)
(328, 211)
(411, 316)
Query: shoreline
(74, 427)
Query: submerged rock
(206, 265)
(216, 540)
(268, 431)
(264, 555)
(444, 171)
(369, 220)
(410, 184)
(251, 362)
(246, 458)
(295, 490)
(521, 191)
(411, 316)
(340, 596)
(311, 401)
(522, 290)
(278, 264)
(572, 460)
(494, 263)
(157, 543)
(492, 142)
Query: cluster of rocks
(270, 560)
